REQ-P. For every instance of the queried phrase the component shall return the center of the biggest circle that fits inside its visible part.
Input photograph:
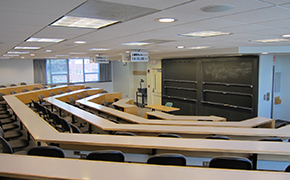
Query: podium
(142, 92)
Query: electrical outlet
(205, 163)
(77, 152)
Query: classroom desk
(184, 131)
(109, 97)
(41, 131)
(18, 89)
(162, 108)
(32, 167)
(74, 94)
(166, 116)
(127, 105)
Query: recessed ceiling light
(48, 50)
(61, 55)
(265, 53)
(48, 40)
(22, 57)
(32, 54)
(99, 49)
(270, 40)
(5, 57)
(17, 52)
(82, 22)
(135, 44)
(180, 47)
(205, 34)
(199, 47)
(80, 42)
(19, 47)
(166, 20)
(217, 8)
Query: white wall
(16, 71)
(121, 78)
(265, 85)
(281, 111)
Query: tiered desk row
(43, 133)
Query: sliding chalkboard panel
(221, 86)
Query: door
(156, 89)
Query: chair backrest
(25, 90)
(23, 83)
(86, 94)
(74, 129)
(65, 126)
(68, 90)
(51, 94)
(1, 96)
(272, 139)
(88, 87)
(167, 159)
(40, 97)
(169, 104)
(287, 169)
(4, 146)
(231, 162)
(104, 91)
(35, 88)
(218, 137)
(55, 118)
(79, 96)
(107, 155)
(105, 103)
(12, 92)
(3, 86)
(72, 100)
(169, 135)
(11, 85)
(124, 133)
(50, 151)
(116, 99)
(60, 92)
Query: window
(63, 71)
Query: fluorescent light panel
(82, 22)
(26, 47)
(99, 49)
(17, 52)
(199, 47)
(205, 34)
(270, 40)
(135, 44)
(50, 40)
(166, 20)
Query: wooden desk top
(166, 116)
(125, 103)
(18, 89)
(32, 167)
(162, 108)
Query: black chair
(124, 133)
(12, 92)
(104, 91)
(12, 85)
(25, 90)
(65, 126)
(231, 162)
(3, 86)
(88, 87)
(107, 155)
(168, 135)
(72, 100)
(16, 144)
(68, 90)
(272, 139)
(42, 102)
(167, 159)
(287, 169)
(74, 129)
(3, 104)
(36, 88)
(5, 147)
(49, 151)
(23, 83)
(86, 94)
(105, 103)
(116, 99)
(60, 92)
(51, 94)
(79, 96)
(10, 135)
(218, 137)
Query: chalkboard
(227, 71)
